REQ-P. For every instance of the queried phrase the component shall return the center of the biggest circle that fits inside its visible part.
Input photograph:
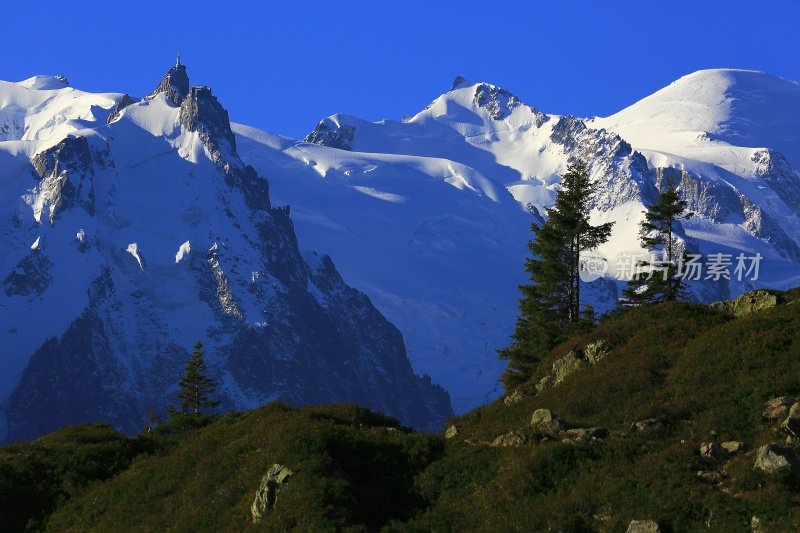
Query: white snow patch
(35, 245)
(381, 195)
(133, 249)
(183, 251)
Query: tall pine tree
(196, 387)
(659, 282)
(550, 307)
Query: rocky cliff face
(118, 202)
(329, 133)
(174, 85)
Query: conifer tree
(195, 386)
(550, 307)
(659, 282)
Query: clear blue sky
(282, 66)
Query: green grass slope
(702, 374)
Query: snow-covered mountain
(131, 230)
(429, 216)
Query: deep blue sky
(284, 66)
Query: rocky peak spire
(202, 112)
(175, 84)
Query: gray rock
(791, 425)
(544, 422)
(451, 432)
(272, 483)
(512, 439)
(777, 408)
(774, 459)
(643, 526)
(596, 351)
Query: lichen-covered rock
(512, 439)
(544, 422)
(596, 351)
(649, 425)
(451, 432)
(566, 366)
(791, 425)
(513, 398)
(774, 459)
(777, 408)
(712, 451)
(733, 447)
(712, 477)
(585, 434)
(643, 526)
(747, 303)
(272, 483)
(544, 383)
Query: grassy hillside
(696, 374)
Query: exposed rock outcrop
(777, 408)
(545, 423)
(643, 526)
(174, 85)
(276, 478)
(329, 133)
(202, 112)
(791, 425)
(776, 459)
(512, 439)
(747, 303)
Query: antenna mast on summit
(178, 62)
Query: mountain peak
(45, 83)
(737, 107)
(175, 84)
(459, 82)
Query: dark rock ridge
(174, 85)
(202, 112)
(281, 325)
(123, 102)
(66, 174)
